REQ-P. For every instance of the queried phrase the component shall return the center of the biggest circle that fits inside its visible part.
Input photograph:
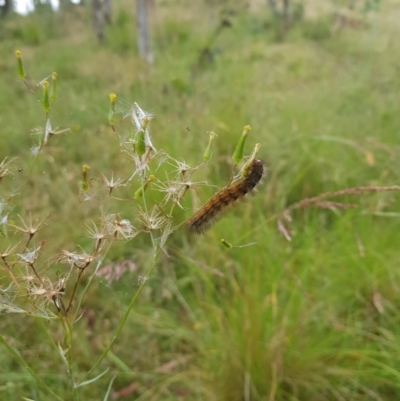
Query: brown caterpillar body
(215, 206)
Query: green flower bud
(141, 143)
(245, 171)
(140, 191)
(207, 153)
(238, 153)
(111, 113)
(84, 185)
(46, 101)
(226, 243)
(142, 137)
(145, 122)
(21, 71)
(53, 92)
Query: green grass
(316, 318)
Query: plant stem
(67, 353)
(126, 314)
(22, 361)
(99, 262)
(25, 185)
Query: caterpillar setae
(213, 209)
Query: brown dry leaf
(171, 365)
(267, 301)
(335, 205)
(282, 229)
(360, 246)
(124, 392)
(287, 216)
(207, 268)
(114, 271)
(377, 300)
(369, 158)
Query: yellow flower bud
(226, 243)
(111, 113)
(21, 71)
(53, 94)
(84, 185)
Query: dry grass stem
(316, 200)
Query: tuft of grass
(313, 318)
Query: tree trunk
(98, 23)
(6, 7)
(143, 31)
(272, 6)
(286, 15)
(107, 12)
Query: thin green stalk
(146, 210)
(67, 350)
(44, 327)
(22, 361)
(25, 185)
(122, 321)
(121, 365)
(125, 315)
(99, 263)
(162, 384)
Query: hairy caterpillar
(212, 210)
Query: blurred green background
(316, 318)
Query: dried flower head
(32, 227)
(123, 228)
(74, 259)
(154, 220)
(31, 256)
(5, 167)
(111, 184)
